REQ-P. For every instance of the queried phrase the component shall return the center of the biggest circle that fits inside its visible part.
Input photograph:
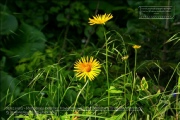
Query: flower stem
(134, 76)
(107, 75)
(87, 92)
(79, 95)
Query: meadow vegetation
(79, 60)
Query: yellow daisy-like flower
(136, 46)
(100, 19)
(86, 67)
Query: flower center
(86, 67)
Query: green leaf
(8, 88)
(144, 84)
(27, 41)
(175, 38)
(70, 96)
(115, 91)
(20, 116)
(61, 18)
(2, 62)
(41, 116)
(20, 68)
(8, 23)
(138, 88)
(112, 89)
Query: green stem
(125, 84)
(134, 76)
(107, 75)
(87, 92)
(135, 65)
(79, 95)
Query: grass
(124, 95)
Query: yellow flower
(125, 57)
(100, 19)
(86, 67)
(136, 46)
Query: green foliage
(116, 117)
(70, 96)
(112, 90)
(41, 40)
(144, 84)
(9, 89)
(8, 23)
(29, 63)
(30, 116)
(27, 42)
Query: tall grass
(122, 93)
